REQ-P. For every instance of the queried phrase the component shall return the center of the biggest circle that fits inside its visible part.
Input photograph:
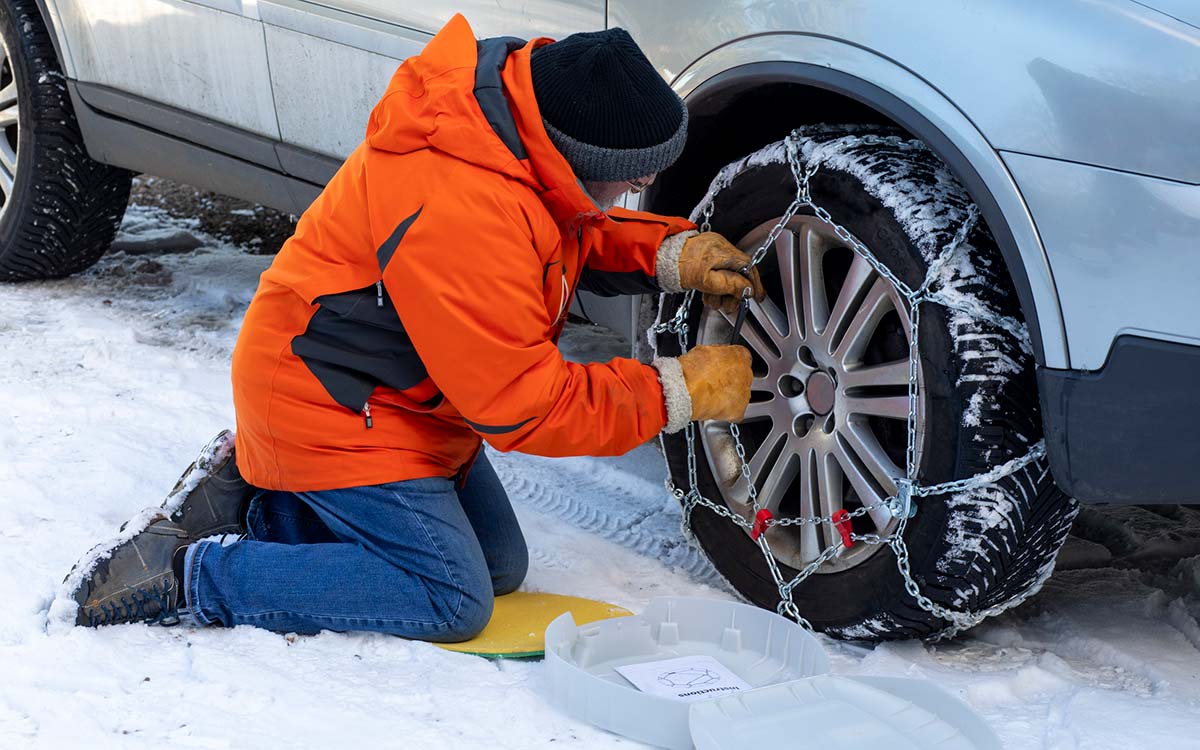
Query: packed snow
(116, 378)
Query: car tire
(62, 209)
(970, 551)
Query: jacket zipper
(379, 294)
(574, 284)
(566, 287)
(366, 412)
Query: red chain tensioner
(842, 522)
(761, 519)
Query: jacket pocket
(354, 343)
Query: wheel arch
(740, 98)
(48, 11)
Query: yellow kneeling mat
(519, 621)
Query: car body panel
(1119, 271)
(1104, 82)
(201, 59)
(307, 69)
(520, 18)
(315, 48)
(1187, 11)
(315, 53)
(237, 7)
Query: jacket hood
(474, 100)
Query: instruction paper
(685, 678)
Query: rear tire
(63, 208)
(969, 551)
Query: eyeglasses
(640, 184)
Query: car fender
(53, 20)
(909, 100)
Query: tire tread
(73, 207)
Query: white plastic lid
(794, 701)
(840, 713)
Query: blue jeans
(418, 559)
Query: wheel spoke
(772, 319)
(8, 116)
(758, 462)
(755, 340)
(8, 95)
(829, 485)
(771, 470)
(785, 251)
(888, 407)
(764, 384)
(8, 157)
(810, 542)
(6, 184)
(762, 410)
(858, 332)
(868, 495)
(887, 374)
(811, 282)
(858, 282)
(778, 480)
(859, 439)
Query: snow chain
(903, 506)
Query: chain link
(902, 506)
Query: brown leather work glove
(710, 264)
(707, 382)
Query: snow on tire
(971, 550)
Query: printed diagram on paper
(686, 678)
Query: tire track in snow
(585, 496)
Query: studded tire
(971, 550)
(64, 208)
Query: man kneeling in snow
(415, 311)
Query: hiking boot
(137, 581)
(131, 580)
(211, 496)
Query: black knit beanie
(605, 107)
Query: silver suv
(1051, 146)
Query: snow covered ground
(113, 380)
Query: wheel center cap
(820, 390)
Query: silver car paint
(307, 69)
(1103, 82)
(521, 18)
(1187, 11)
(1109, 83)
(1124, 251)
(183, 54)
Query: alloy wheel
(9, 128)
(826, 428)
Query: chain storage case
(785, 665)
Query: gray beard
(603, 206)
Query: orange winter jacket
(417, 306)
